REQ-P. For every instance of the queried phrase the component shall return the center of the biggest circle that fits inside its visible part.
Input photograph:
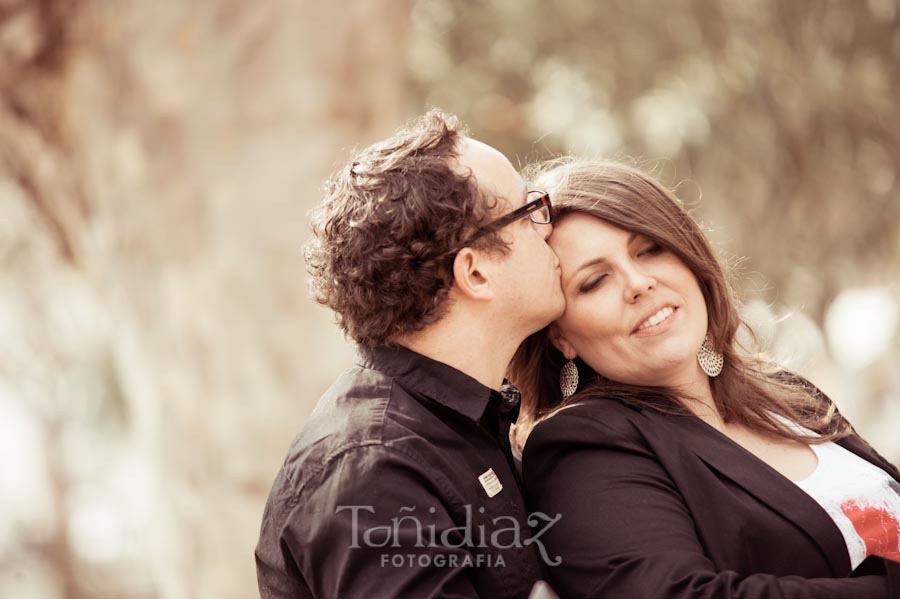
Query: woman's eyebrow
(601, 259)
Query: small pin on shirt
(490, 482)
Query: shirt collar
(436, 380)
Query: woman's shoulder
(821, 406)
(592, 431)
(788, 377)
(593, 408)
(591, 420)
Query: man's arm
(370, 524)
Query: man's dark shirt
(390, 459)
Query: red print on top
(877, 528)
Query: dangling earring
(568, 379)
(710, 360)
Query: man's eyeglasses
(537, 207)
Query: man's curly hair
(385, 236)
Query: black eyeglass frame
(529, 209)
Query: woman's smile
(658, 322)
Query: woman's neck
(704, 406)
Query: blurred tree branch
(39, 40)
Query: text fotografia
(442, 560)
(407, 530)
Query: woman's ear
(469, 275)
(561, 343)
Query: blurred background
(157, 160)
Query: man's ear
(469, 275)
(561, 343)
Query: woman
(681, 465)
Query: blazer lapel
(759, 479)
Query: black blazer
(661, 506)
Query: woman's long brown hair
(747, 391)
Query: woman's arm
(625, 530)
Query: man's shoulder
(351, 422)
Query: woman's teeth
(657, 318)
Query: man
(433, 256)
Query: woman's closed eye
(592, 283)
(651, 249)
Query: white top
(861, 498)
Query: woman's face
(634, 311)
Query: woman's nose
(637, 283)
